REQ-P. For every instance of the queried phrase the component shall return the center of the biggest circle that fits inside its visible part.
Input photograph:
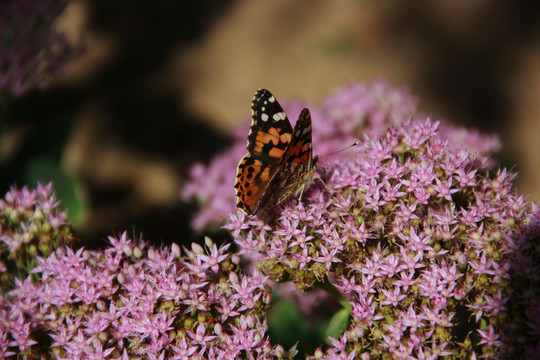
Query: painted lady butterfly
(279, 161)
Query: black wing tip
(262, 93)
(304, 117)
(305, 113)
(264, 98)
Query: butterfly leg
(317, 177)
(302, 187)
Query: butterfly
(279, 160)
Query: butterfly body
(279, 160)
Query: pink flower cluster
(344, 117)
(420, 238)
(30, 51)
(31, 224)
(130, 301)
(431, 253)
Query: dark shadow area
(467, 70)
(139, 117)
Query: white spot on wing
(271, 99)
(264, 117)
(279, 116)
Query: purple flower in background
(212, 187)
(30, 50)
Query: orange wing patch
(271, 139)
(299, 153)
(251, 180)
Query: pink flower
(30, 50)
(489, 337)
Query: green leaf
(338, 323)
(45, 169)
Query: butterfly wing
(268, 139)
(299, 150)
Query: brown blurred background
(161, 82)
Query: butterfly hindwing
(251, 181)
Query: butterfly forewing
(271, 130)
(299, 148)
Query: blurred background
(148, 88)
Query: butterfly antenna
(338, 151)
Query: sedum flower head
(344, 116)
(131, 301)
(434, 253)
(31, 224)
